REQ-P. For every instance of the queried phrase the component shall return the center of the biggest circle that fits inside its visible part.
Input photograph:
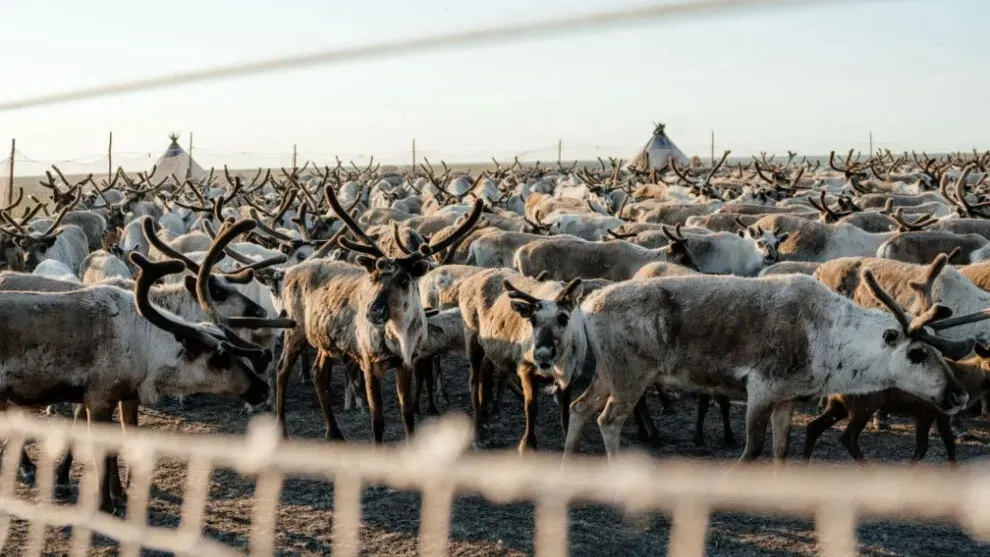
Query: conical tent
(658, 151)
(175, 162)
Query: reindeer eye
(562, 319)
(917, 355)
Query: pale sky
(806, 79)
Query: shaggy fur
(710, 334)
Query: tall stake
(110, 159)
(189, 162)
(10, 175)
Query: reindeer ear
(571, 294)
(523, 308)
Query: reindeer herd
(861, 285)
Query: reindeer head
(394, 295)
(212, 357)
(677, 250)
(32, 246)
(552, 322)
(767, 242)
(220, 286)
(916, 354)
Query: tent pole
(189, 163)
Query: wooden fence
(439, 464)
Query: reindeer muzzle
(378, 314)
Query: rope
(500, 33)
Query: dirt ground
(391, 519)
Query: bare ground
(391, 518)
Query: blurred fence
(438, 464)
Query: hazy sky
(807, 79)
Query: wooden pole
(189, 165)
(414, 154)
(10, 174)
(560, 151)
(110, 159)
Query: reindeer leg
(857, 422)
(353, 389)
(500, 380)
(62, 487)
(531, 407)
(294, 344)
(591, 401)
(403, 385)
(438, 374)
(725, 405)
(780, 426)
(666, 401)
(611, 420)
(944, 428)
(922, 428)
(373, 387)
(322, 373)
(429, 366)
(564, 400)
(306, 363)
(27, 469)
(834, 411)
(704, 401)
(110, 490)
(128, 421)
(646, 430)
(417, 388)
(476, 357)
(758, 414)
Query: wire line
(519, 30)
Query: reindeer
(67, 244)
(369, 313)
(507, 329)
(613, 260)
(973, 373)
(710, 333)
(103, 345)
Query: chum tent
(658, 151)
(175, 162)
